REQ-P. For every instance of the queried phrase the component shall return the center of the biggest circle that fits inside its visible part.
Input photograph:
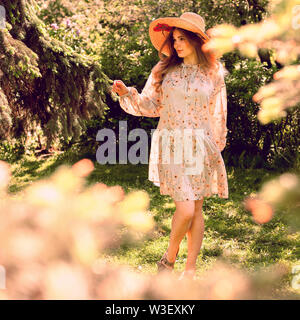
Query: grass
(230, 232)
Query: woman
(186, 90)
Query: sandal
(164, 264)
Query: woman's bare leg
(181, 223)
(195, 236)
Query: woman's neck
(191, 59)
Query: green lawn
(230, 233)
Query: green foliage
(126, 54)
(11, 151)
(253, 144)
(53, 11)
(115, 37)
(56, 84)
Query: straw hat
(159, 29)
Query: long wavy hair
(207, 60)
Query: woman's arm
(218, 109)
(147, 103)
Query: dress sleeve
(218, 109)
(147, 103)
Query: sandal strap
(165, 261)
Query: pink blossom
(54, 26)
(68, 23)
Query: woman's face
(182, 46)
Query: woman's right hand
(119, 87)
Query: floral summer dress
(185, 157)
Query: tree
(44, 84)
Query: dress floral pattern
(185, 158)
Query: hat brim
(158, 37)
